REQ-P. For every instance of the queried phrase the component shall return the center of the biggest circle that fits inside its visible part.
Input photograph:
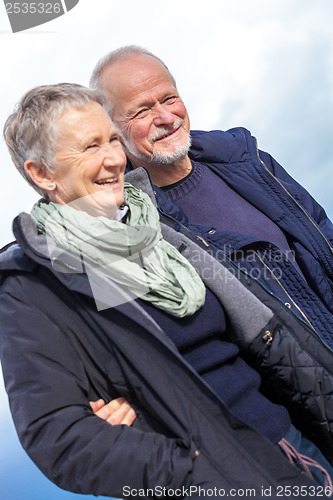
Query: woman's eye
(91, 146)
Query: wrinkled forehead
(79, 122)
(125, 79)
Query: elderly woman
(97, 305)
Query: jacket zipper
(285, 291)
(293, 200)
(303, 319)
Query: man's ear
(39, 175)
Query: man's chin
(177, 154)
(170, 157)
(158, 157)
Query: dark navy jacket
(258, 178)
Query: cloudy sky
(266, 65)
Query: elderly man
(274, 230)
(271, 228)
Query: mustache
(162, 131)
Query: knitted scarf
(132, 254)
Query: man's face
(150, 115)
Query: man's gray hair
(30, 131)
(118, 55)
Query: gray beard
(160, 157)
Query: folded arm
(48, 391)
(116, 412)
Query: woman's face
(90, 161)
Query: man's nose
(163, 116)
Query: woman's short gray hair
(30, 131)
(117, 55)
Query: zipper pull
(203, 241)
(267, 338)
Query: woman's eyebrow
(89, 139)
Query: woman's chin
(104, 202)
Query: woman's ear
(39, 175)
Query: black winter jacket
(58, 352)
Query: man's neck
(164, 175)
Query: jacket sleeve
(48, 394)
(311, 206)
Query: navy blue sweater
(229, 212)
(198, 338)
(252, 239)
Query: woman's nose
(113, 155)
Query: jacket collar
(33, 249)
(140, 178)
(218, 146)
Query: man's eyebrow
(149, 102)
(136, 107)
(146, 102)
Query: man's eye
(91, 146)
(171, 99)
(141, 112)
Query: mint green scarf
(133, 254)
